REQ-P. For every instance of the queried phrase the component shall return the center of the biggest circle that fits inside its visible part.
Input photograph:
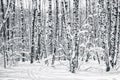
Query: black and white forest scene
(59, 39)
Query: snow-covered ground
(37, 71)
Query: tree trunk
(23, 24)
(45, 32)
(118, 39)
(4, 33)
(39, 31)
(33, 26)
(74, 63)
(112, 20)
(39, 47)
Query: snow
(39, 71)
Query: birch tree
(33, 27)
(75, 54)
(50, 31)
(39, 27)
(4, 33)
(45, 31)
(118, 34)
(12, 28)
(112, 21)
(22, 27)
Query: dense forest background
(77, 31)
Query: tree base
(107, 69)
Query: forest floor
(38, 71)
